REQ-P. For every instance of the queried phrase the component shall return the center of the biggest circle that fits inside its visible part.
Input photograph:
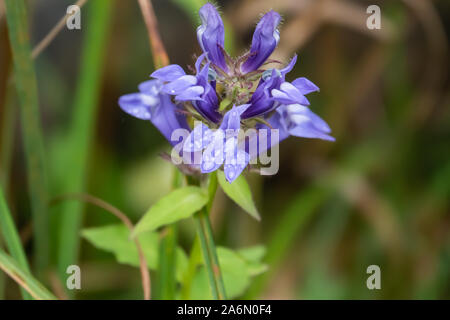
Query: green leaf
(28, 282)
(237, 269)
(239, 192)
(116, 240)
(253, 256)
(26, 85)
(12, 239)
(177, 205)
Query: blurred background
(379, 195)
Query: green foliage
(238, 267)
(239, 192)
(177, 205)
(12, 268)
(116, 240)
(73, 152)
(26, 85)
(11, 236)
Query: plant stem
(25, 80)
(195, 258)
(167, 264)
(81, 130)
(210, 254)
(24, 278)
(12, 240)
(207, 242)
(167, 252)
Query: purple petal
(305, 86)
(211, 35)
(151, 87)
(134, 105)
(179, 85)
(232, 119)
(198, 139)
(199, 61)
(236, 160)
(318, 122)
(261, 101)
(289, 67)
(265, 40)
(169, 73)
(303, 123)
(166, 118)
(192, 93)
(289, 94)
(213, 155)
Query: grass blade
(11, 237)
(23, 278)
(25, 79)
(82, 127)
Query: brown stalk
(145, 275)
(53, 33)
(160, 56)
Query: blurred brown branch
(146, 285)
(160, 56)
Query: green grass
(10, 235)
(25, 81)
(81, 131)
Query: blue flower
(265, 40)
(227, 94)
(154, 105)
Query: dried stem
(146, 284)
(160, 56)
(54, 32)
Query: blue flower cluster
(227, 94)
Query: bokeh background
(379, 195)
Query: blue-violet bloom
(228, 95)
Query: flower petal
(192, 93)
(198, 139)
(265, 40)
(303, 123)
(318, 122)
(305, 86)
(134, 105)
(211, 35)
(235, 161)
(169, 73)
(289, 94)
(232, 119)
(289, 66)
(213, 155)
(166, 118)
(179, 85)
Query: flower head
(228, 95)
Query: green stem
(207, 243)
(210, 254)
(26, 85)
(195, 258)
(167, 252)
(12, 240)
(8, 126)
(167, 264)
(12, 268)
(81, 131)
